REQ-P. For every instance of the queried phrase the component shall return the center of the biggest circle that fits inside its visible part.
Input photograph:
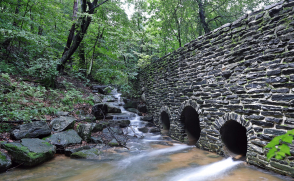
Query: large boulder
(113, 109)
(98, 88)
(97, 99)
(121, 123)
(89, 154)
(5, 162)
(109, 98)
(115, 131)
(142, 108)
(147, 118)
(62, 123)
(36, 129)
(133, 110)
(130, 103)
(84, 131)
(96, 140)
(65, 138)
(30, 151)
(99, 126)
(87, 118)
(99, 110)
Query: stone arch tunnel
(239, 76)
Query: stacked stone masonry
(242, 71)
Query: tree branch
(97, 6)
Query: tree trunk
(84, 24)
(202, 16)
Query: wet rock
(84, 131)
(124, 123)
(96, 140)
(113, 109)
(62, 123)
(133, 110)
(87, 118)
(121, 115)
(130, 103)
(143, 130)
(98, 127)
(113, 142)
(142, 108)
(30, 152)
(154, 130)
(99, 110)
(69, 151)
(107, 90)
(65, 138)
(147, 118)
(121, 123)
(97, 99)
(88, 154)
(5, 162)
(36, 129)
(114, 130)
(98, 88)
(109, 98)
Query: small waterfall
(212, 171)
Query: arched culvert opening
(234, 137)
(190, 119)
(165, 123)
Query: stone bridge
(230, 91)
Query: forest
(106, 41)
(55, 55)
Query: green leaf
(271, 153)
(274, 142)
(287, 139)
(285, 149)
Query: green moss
(46, 143)
(3, 157)
(79, 155)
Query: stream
(151, 158)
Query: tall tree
(83, 22)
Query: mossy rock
(107, 90)
(113, 142)
(88, 154)
(64, 138)
(30, 152)
(5, 162)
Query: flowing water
(149, 158)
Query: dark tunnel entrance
(165, 123)
(190, 119)
(234, 137)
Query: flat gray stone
(92, 153)
(64, 138)
(36, 129)
(62, 123)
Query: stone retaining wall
(242, 71)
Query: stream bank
(126, 150)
